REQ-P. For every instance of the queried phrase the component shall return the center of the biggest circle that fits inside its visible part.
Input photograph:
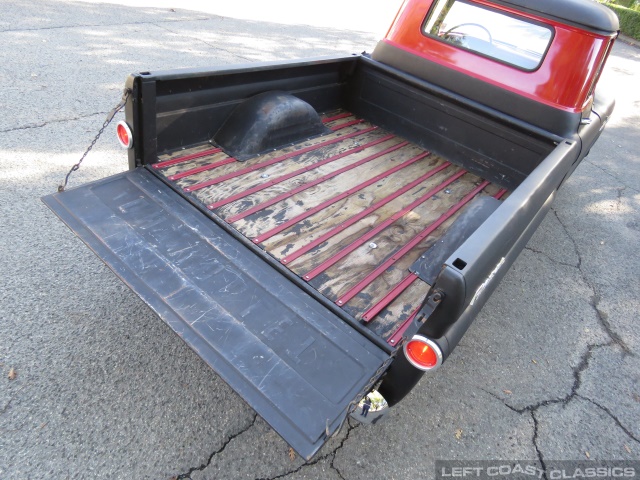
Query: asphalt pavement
(94, 385)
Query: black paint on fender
(472, 216)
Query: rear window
(497, 35)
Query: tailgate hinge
(433, 301)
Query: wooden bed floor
(349, 211)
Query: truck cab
(519, 57)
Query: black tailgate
(296, 363)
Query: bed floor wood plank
(322, 222)
(337, 183)
(299, 203)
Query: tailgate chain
(365, 390)
(125, 96)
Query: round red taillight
(423, 353)
(124, 135)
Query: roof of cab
(587, 13)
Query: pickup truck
(323, 232)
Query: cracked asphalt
(103, 389)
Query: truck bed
(293, 278)
(348, 211)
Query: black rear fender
(474, 270)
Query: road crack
(619, 201)
(6, 407)
(577, 382)
(336, 469)
(332, 454)
(611, 175)
(44, 124)
(187, 475)
(594, 301)
(535, 445)
(216, 47)
(58, 27)
(546, 255)
(613, 417)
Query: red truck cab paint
(567, 65)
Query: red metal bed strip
(337, 117)
(348, 124)
(374, 231)
(262, 237)
(500, 193)
(396, 336)
(412, 243)
(305, 186)
(372, 208)
(295, 173)
(390, 297)
(168, 163)
(203, 168)
(403, 284)
(286, 156)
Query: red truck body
(560, 81)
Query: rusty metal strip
(374, 231)
(412, 243)
(300, 171)
(390, 297)
(372, 208)
(174, 161)
(286, 156)
(262, 237)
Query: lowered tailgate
(295, 362)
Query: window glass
(497, 35)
